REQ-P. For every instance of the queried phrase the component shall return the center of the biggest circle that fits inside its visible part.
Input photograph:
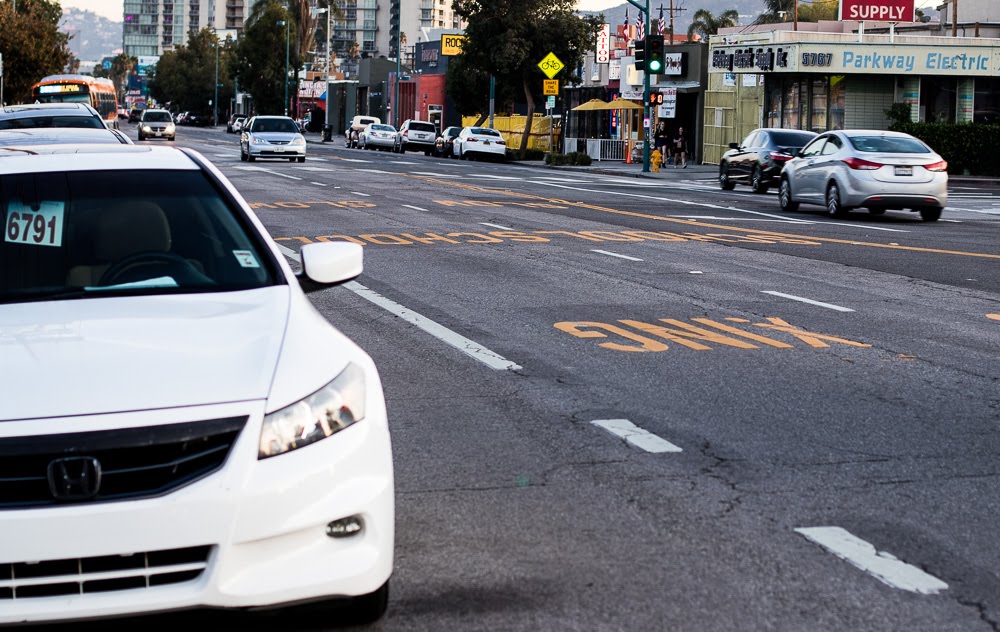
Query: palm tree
(707, 24)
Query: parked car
(35, 115)
(759, 159)
(272, 137)
(418, 135)
(358, 124)
(238, 123)
(378, 136)
(206, 437)
(157, 124)
(122, 114)
(229, 124)
(61, 136)
(134, 114)
(444, 146)
(878, 170)
(480, 142)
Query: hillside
(683, 10)
(94, 37)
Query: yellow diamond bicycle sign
(551, 65)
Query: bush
(572, 158)
(527, 154)
(969, 148)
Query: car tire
(876, 211)
(757, 181)
(427, 153)
(292, 159)
(243, 156)
(302, 158)
(251, 157)
(834, 207)
(724, 180)
(930, 214)
(785, 197)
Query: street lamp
(284, 23)
(215, 103)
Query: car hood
(272, 136)
(91, 356)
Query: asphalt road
(800, 393)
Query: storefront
(820, 81)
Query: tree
(121, 67)
(32, 46)
(469, 88)
(260, 57)
(185, 76)
(704, 23)
(784, 11)
(507, 38)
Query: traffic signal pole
(647, 119)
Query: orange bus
(98, 92)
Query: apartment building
(154, 26)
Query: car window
(29, 122)
(98, 234)
(282, 125)
(382, 128)
(156, 117)
(832, 146)
(453, 132)
(889, 144)
(423, 127)
(749, 140)
(485, 131)
(791, 139)
(813, 148)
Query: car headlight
(299, 141)
(329, 410)
(145, 128)
(170, 127)
(257, 141)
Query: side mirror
(734, 145)
(328, 264)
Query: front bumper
(277, 151)
(264, 521)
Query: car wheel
(834, 208)
(930, 214)
(785, 197)
(251, 157)
(243, 156)
(141, 138)
(724, 181)
(876, 211)
(292, 159)
(302, 158)
(427, 153)
(757, 181)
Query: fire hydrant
(656, 159)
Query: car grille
(108, 573)
(128, 463)
(278, 142)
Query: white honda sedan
(272, 137)
(480, 142)
(179, 427)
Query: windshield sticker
(246, 258)
(41, 227)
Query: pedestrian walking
(661, 140)
(680, 148)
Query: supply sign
(877, 10)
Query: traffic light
(640, 54)
(654, 54)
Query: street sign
(551, 65)
(550, 103)
(550, 87)
(603, 52)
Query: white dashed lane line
(495, 226)
(271, 171)
(615, 254)
(625, 429)
(792, 297)
(469, 347)
(415, 208)
(882, 565)
(319, 184)
(360, 193)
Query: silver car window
(888, 145)
(813, 148)
(832, 146)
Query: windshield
(383, 128)
(97, 234)
(888, 145)
(423, 127)
(281, 125)
(63, 98)
(791, 139)
(30, 122)
(485, 131)
(156, 117)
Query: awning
(593, 104)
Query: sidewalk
(634, 170)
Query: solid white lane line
(319, 184)
(495, 226)
(792, 297)
(371, 170)
(615, 254)
(742, 219)
(635, 435)
(353, 160)
(308, 168)
(403, 162)
(435, 175)
(415, 208)
(271, 171)
(492, 177)
(360, 193)
(469, 347)
(881, 564)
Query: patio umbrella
(622, 104)
(593, 104)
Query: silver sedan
(378, 136)
(878, 170)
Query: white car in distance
(378, 136)
(272, 137)
(180, 427)
(480, 142)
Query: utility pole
(954, 18)
(399, 54)
(285, 24)
(644, 8)
(796, 26)
(215, 114)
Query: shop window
(790, 106)
(938, 99)
(986, 107)
(817, 117)
(774, 102)
(837, 98)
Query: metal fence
(598, 148)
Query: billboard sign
(451, 45)
(604, 44)
(877, 11)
